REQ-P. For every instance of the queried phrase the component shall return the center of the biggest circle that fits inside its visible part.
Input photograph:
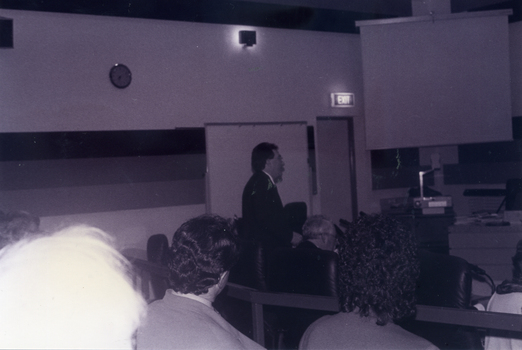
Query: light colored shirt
(193, 297)
(270, 177)
(351, 331)
(186, 323)
(509, 303)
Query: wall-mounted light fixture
(6, 33)
(247, 37)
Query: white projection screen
(229, 148)
(436, 81)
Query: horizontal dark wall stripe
(491, 152)
(94, 199)
(96, 144)
(484, 192)
(100, 171)
(481, 173)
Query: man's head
(378, 269)
(266, 157)
(203, 250)
(68, 290)
(321, 231)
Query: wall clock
(120, 75)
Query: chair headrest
(303, 271)
(250, 270)
(156, 246)
(296, 213)
(444, 280)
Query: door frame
(351, 159)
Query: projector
(432, 205)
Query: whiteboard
(229, 150)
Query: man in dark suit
(264, 217)
(318, 233)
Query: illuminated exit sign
(342, 99)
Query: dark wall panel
(100, 144)
(488, 163)
(481, 173)
(57, 173)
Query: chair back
(444, 280)
(250, 270)
(157, 252)
(156, 246)
(303, 271)
(296, 215)
(514, 194)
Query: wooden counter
(489, 247)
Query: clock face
(120, 76)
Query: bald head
(320, 230)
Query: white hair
(317, 225)
(70, 289)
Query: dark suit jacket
(264, 218)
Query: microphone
(477, 269)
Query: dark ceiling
(320, 15)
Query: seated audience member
(318, 233)
(203, 251)
(16, 225)
(67, 290)
(507, 298)
(378, 269)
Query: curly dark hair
(378, 269)
(261, 153)
(202, 249)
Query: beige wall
(515, 47)
(184, 75)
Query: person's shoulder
(314, 334)
(217, 333)
(258, 180)
(325, 321)
(400, 338)
(508, 303)
(307, 245)
(182, 323)
(260, 175)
